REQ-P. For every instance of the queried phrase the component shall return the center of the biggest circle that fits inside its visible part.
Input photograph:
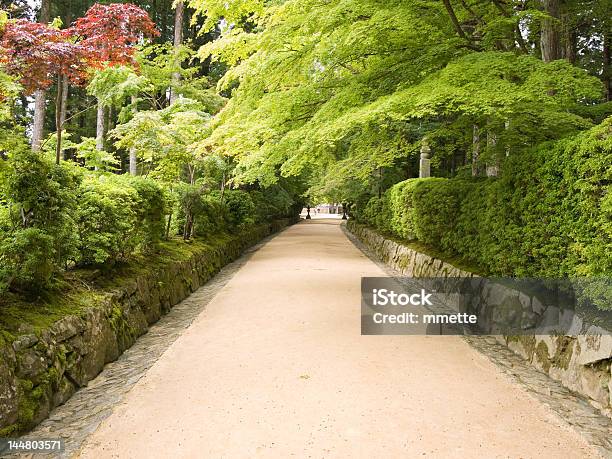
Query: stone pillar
(492, 171)
(424, 163)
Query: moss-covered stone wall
(42, 366)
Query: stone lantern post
(425, 162)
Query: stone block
(610, 387)
(9, 408)
(67, 328)
(594, 383)
(31, 365)
(64, 391)
(537, 306)
(594, 348)
(24, 341)
(575, 327)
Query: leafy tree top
(353, 85)
(37, 52)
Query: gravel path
(275, 366)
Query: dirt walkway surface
(276, 367)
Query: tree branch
(454, 20)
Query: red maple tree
(38, 53)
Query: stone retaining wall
(39, 371)
(581, 363)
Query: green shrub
(240, 207)
(197, 213)
(107, 221)
(54, 216)
(5, 220)
(119, 215)
(400, 202)
(151, 210)
(39, 208)
(187, 205)
(27, 259)
(378, 212)
(213, 216)
(263, 209)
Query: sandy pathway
(276, 367)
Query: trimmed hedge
(548, 215)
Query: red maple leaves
(106, 35)
(36, 53)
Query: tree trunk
(223, 187)
(178, 24)
(58, 118)
(454, 20)
(65, 87)
(569, 42)
(188, 226)
(168, 225)
(550, 42)
(109, 124)
(178, 41)
(475, 150)
(506, 128)
(133, 156)
(133, 162)
(40, 103)
(40, 96)
(64, 105)
(100, 126)
(607, 66)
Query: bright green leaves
(343, 88)
(168, 139)
(100, 160)
(308, 67)
(231, 11)
(113, 85)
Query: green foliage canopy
(343, 88)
